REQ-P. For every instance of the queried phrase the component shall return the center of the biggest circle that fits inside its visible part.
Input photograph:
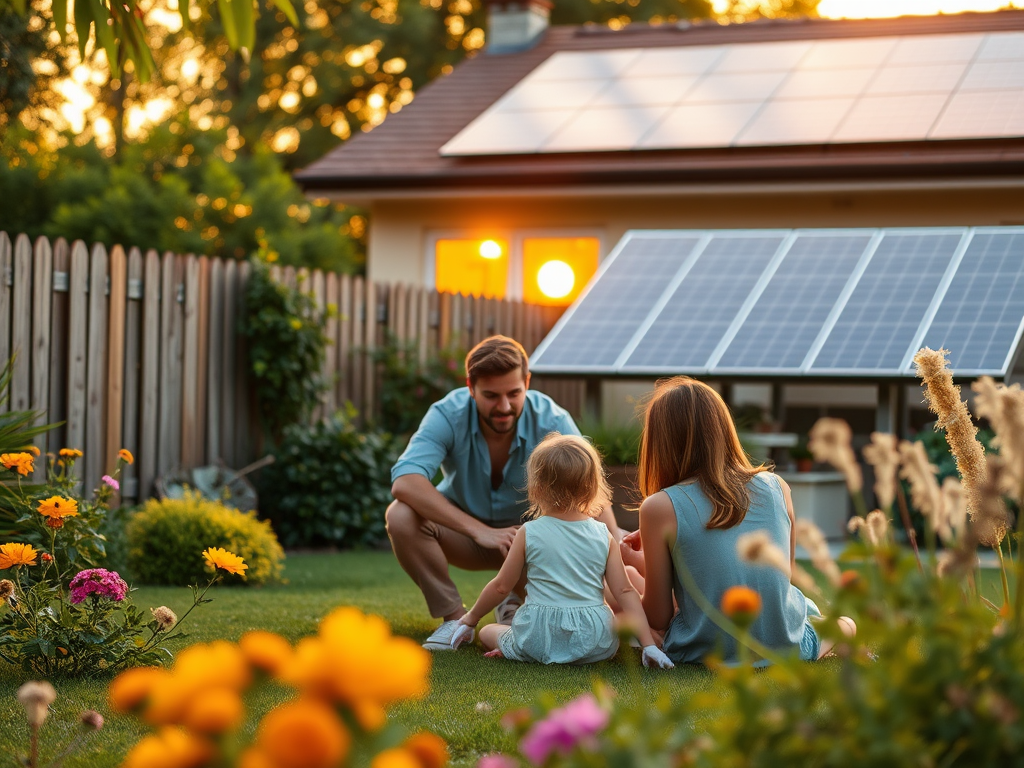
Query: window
(551, 271)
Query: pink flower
(111, 482)
(578, 722)
(497, 760)
(98, 582)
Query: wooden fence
(153, 362)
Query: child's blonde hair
(564, 472)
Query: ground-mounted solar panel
(595, 331)
(782, 326)
(980, 317)
(697, 315)
(881, 318)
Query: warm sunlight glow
(556, 279)
(458, 268)
(490, 249)
(859, 9)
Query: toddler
(567, 555)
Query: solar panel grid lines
(598, 325)
(756, 292)
(963, 76)
(701, 309)
(981, 316)
(1008, 46)
(992, 113)
(882, 315)
(784, 323)
(940, 294)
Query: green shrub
(330, 484)
(618, 444)
(408, 387)
(166, 540)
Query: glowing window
(556, 269)
(473, 267)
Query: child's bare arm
(622, 588)
(499, 587)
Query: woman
(701, 494)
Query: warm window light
(490, 249)
(556, 279)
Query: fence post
(42, 295)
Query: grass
(468, 692)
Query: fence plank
(118, 304)
(369, 345)
(6, 274)
(171, 321)
(344, 339)
(190, 366)
(359, 316)
(444, 320)
(78, 283)
(96, 369)
(150, 407)
(457, 322)
(248, 434)
(203, 370)
(423, 334)
(42, 295)
(214, 360)
(317, 285)
(132, 373)
(21, 325)
(229, 339)
(479, 320)
(58, 405)
(330, 371)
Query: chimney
(515, 25)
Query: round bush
(166, 539)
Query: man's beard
(489, 419)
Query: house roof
(401, 156)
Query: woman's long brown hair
(689, 434)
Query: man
(480, 436)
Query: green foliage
(330, 483)
(618, 444)
(285, 332)
(216, 203)
(166, 540)
(408, 387)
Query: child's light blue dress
(565, 619)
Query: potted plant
(801, 456)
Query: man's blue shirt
(449, 439)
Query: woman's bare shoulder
(658, 506)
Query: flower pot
(804, 465)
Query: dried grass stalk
(881, 454)
(1004, 408)
(812, 539)
(830, 443)
(924, 488)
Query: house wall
(399, 228)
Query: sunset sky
(866, 8)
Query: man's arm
(417, 492)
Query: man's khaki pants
(425, 550)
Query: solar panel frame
(1013, 350)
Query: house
(519, 172)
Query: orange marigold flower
(17, 462)
(131, 688)
(218, 557)
(430, 750)
(396, 757)
(33, 450)
(303, 734)
(741, 604)
(125, 455)
(265, 650)
(58, 507)
(171, 747)
(14, 554)
(214, 711)
(70, 453)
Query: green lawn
(468, 692)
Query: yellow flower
(303, 734)
(296, 324)
(125, 455)
(170, 747)
(265, 650)
(741, 604)
(214, 711)
(70, 453)
(430, 750)
(356, 660)
(254, 758)
(14, 554)
(130, 689)
(198, 668)
(58, 507)
(395, 758)
(217, 557)
(17, 462)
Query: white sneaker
(507, 608)
(441, 640)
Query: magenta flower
(497, 760)
(578, 722)
(98, 582)
(111, 482)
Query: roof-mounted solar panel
(797, 303)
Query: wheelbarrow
(215, 482)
